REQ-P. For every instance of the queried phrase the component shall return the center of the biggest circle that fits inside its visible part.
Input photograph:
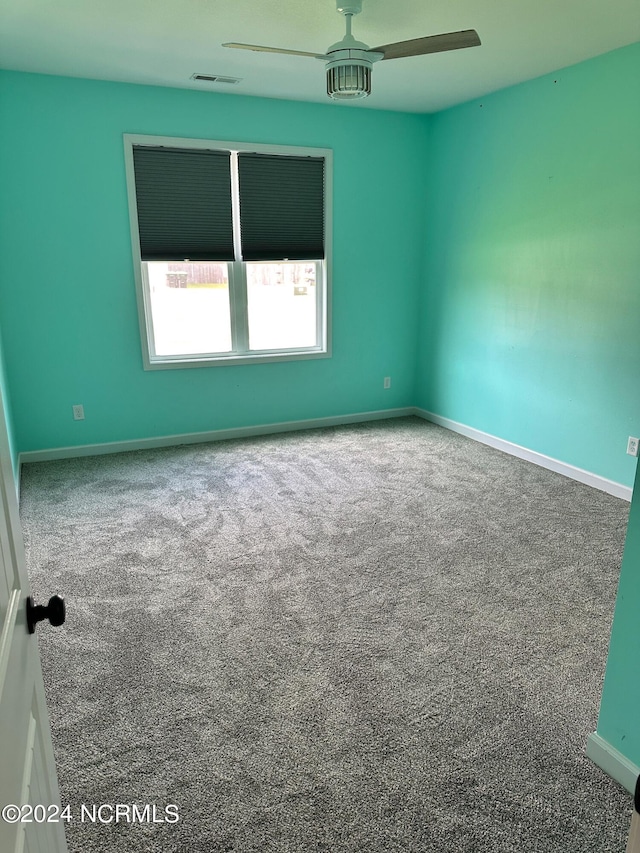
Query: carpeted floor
(379, 637)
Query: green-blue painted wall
(619, 720)
(530, 326)
(66, 277)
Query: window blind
(184, 204)
(281, 207)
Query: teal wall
(530, 325)
(67, 289)
(619, 721)
(526, 276)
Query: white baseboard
(614, 763)
(587, 477)
(203, 437)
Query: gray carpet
(380, 637)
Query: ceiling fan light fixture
(348, 80)
(349, 77)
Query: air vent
(215, 78)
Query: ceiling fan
(349, 62)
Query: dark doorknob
(54, 612)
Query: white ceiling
(163, 42)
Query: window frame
(236, 269)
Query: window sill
(178, 362)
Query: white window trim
(235, 268)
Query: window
(231, 250)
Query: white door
(27, 769)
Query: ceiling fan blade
(263, 49)
(429, 44)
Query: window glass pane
(281, 303)
(189, 307)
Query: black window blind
(184, 204)
(185, 209)
(281, 207)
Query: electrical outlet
(632, 446)
(78, 413)
(387, 382)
